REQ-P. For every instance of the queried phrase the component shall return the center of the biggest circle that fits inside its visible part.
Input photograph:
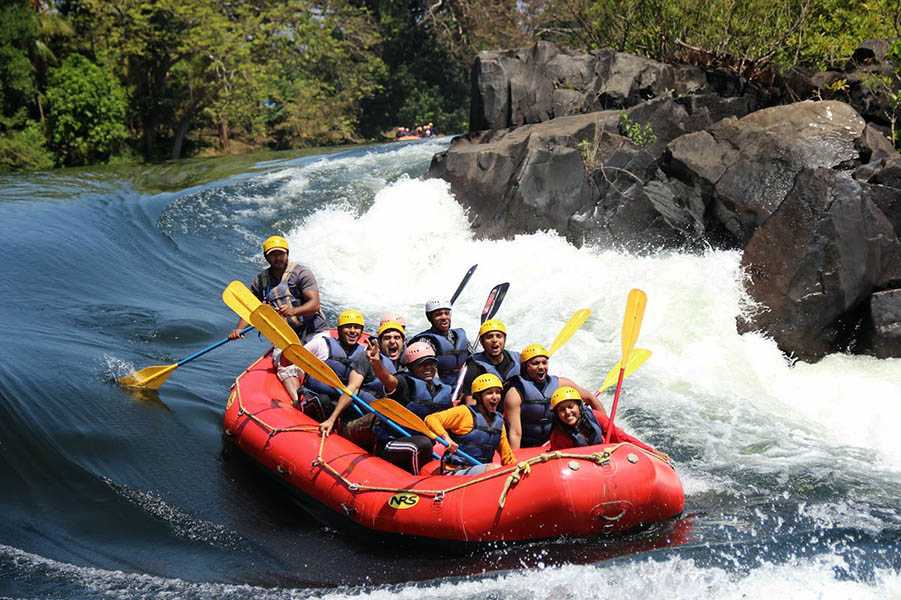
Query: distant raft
(596, 490)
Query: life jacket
(580, 437)
(482, 360)
(389, 364)
(422, 401)
(535, 413)
(279, 295)
(450, 356)
(342, 365)
(482, 441)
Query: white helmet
(433, 305)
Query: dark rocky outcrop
(518, 87)
(621, 150)
(884, 323)
(816, 260)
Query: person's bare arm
(354, 381)
(512, 404)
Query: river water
(792, 473)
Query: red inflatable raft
(602, 489)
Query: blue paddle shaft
(200, 353)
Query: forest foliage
(84, 80)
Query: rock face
(620, 150)
(885, 323)
(817, 258)
(517, 87)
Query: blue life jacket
(342, 365)
(450, 356)
(535, 413)
(389, 364)
(587, 431)
(422, 401)
(482, 441)
(483, 361)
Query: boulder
(814, 262)
(524, 179)
(531, 85)
(745, 167)
(884, 323)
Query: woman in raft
(577, 425)
(477, 430)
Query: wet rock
(747, 166)
(815, 260)
(884, 323)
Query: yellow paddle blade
(149, 377)
(632, 322)
(636, 359)
(575, 322)
(313, 366)
(240, 299)
(273, 327)
(402, 415)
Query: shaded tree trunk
(182, 129)
(223, 133)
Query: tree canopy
(83, 79)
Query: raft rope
(514, 473)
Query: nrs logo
(403, 501)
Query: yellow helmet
(389, 326)
(531, 351)
(486, 382)
(274, 242)
(563, 394)
(351, 316)
(492, 325)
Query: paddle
(575, 322)
(408, 419)
(463, 283)
(636, 359)
(492, 305)
(635, 304)
(155, 376)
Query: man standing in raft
(493, 358)
(419, 389)
(477, 430)
(348, 360)
(292, 290)
(450, 345)
(527, 404)
(576, 425)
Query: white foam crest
(736, 397)
(676, 578)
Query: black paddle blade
(463, 283)
(493, 303)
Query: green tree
(87, 111)
(18, 31)
(24, 149)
